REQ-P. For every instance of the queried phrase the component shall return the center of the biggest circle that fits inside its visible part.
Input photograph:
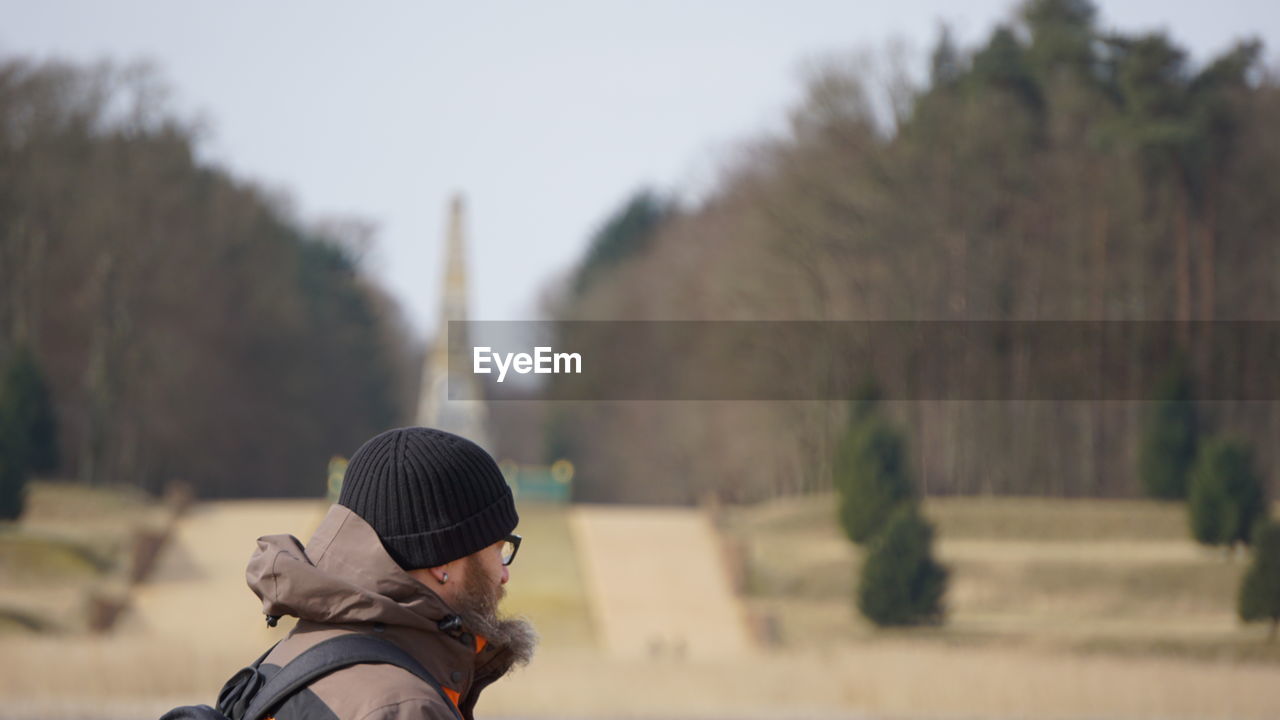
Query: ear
(440, 573)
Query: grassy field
(1058, 609)
(1114, 576)
(72, 541)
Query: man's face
(481, 581)
(483, 578)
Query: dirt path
(656, 583)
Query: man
(414, 552)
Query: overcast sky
(546, 115)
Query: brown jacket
(344, 581)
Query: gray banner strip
(908, 360)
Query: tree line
(186, 325)
(1054, 171)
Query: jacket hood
(343, 575)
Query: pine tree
(13, 462)
(628, 231)
(28, 438)
(13, 488)
(1260, 590)
(1169, 439)
(901, 583)
(871, 477)
(26, 402)
(1227, 498)
(865, 403)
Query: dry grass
(36, 557)
(1057, 520)
(988, 518)
(891, 676)
(1092, 575)
(888, 678)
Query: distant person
(415, 552)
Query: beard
(477, 605)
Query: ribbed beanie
(431, 496)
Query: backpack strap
(240, 689)
(328, 656)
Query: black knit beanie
(431, 496)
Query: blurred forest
(189, 328)
(1054, 172)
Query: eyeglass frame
(514, 539)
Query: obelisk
(465, 413)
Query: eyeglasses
(509, 547)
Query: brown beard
(477, 605)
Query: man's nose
(506, 575)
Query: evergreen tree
(13, 485)
(901, 583)
(1169, 439)
(625, 233)
(946, 66)
(865, 404)
(15, 437)
(1227, 498)
(1062, 35)
(13, 488)
(1260, 590)
(558, 440)
(27, 405)
(1002, 65)
(870, 476)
